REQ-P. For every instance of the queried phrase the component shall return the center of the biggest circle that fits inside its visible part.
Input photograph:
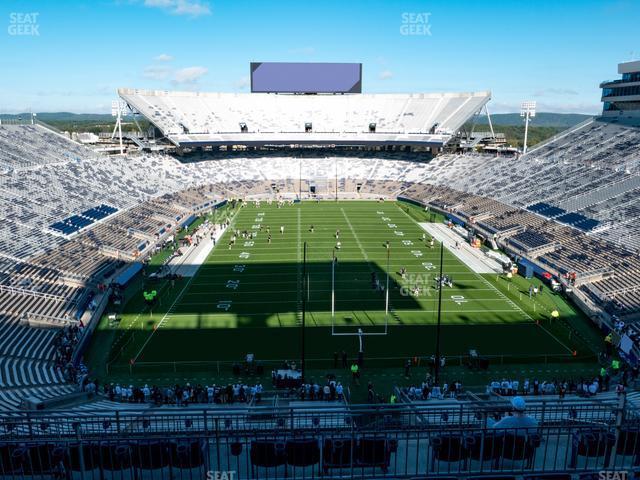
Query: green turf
(192, 328)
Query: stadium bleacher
(197, 118)
(131, 202)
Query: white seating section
(212, 117)
(593, 170)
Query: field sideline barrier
(225, 366)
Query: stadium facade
(622, 97)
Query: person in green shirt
(355, 372)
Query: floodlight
(118, 108)
(528, 111)
(528, 107)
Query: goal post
(339, 329)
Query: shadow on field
(254, 300)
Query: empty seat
(337, 453)
(115, 456)
(267, 454)
(449, 448)
(151, 455)
(592, 444)
(302, 453)
(374, 452)
(187, 454)
(520, 448)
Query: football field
(249, 297)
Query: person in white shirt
(435, 392)
(495, 386)
(504, 387)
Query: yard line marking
(299, 263)
(355, 236)
(525, 314)
(499, 293)
(164, 318)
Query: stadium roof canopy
(192, 119)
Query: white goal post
(359, 332)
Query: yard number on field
(233, 284)
(407, 243)
(428, 265)
(239, 268)
(224, 305)
(459, 299)
(244, 255)
(416, 253)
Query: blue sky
(554, 52)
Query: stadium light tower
(528, 111)
(118, 110)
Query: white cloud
(156, 73)
(189, 75)
(577, 107)
(554, 91)
(163, 57)
(552, 107)
(386, 75)
(192, 8)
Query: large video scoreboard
(284, 77)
